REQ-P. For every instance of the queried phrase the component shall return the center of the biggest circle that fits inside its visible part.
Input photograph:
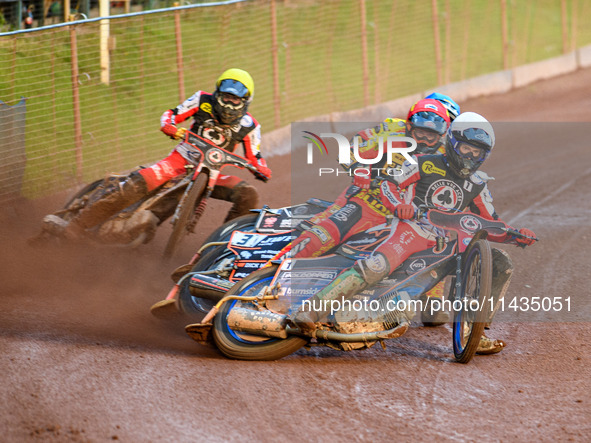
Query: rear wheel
(179, 229)
(470, 319)
(242, 346)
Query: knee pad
(374, 268)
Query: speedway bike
(252, 321)
(182, 200)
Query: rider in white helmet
(449, 181)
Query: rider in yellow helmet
(223, 119)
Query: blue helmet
(452, 107)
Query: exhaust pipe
(270, 324)
(261, 323)
(210, 288)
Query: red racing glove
(526, 241)
(169, 130)
(362, 181)
(263, 172)
(404, 211)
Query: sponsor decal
(321, 233)
(376, 263)
(215, 156)
(429, 168)
(325, 275)
(417, 265)
(470, 224)
(398, 249)
(345, 212)
(300, 246)
(246, 120)
(206, 107)
(362, 241)
(372, 202)
(216, 137)
(269, 221)
(406, 237)
(388, 193)
(445, 194)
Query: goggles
(475, 136)
(429, 120)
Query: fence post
(104, 42)
(76, 104)
(376, 55)
(179, 54)
(563, 15)
(573, 24)
(437, 41)
(448, 57)
(504, 34)
(364, 54)
(274, 49)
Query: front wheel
(471, 315)
(242, 346)
(179, 229)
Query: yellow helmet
(233, 94)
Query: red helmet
(427, 121)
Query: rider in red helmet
(367, 202)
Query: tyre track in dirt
(83, 360)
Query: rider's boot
(502, 273)
(244, 198)
(489, 346)
(348, 283)
(105, 204)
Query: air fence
(81, 99)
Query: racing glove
(526, 241)
(263, 173)
(405, 211)
(362, 181)
(172, 131)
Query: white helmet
(474, 130)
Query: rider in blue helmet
(452, 107)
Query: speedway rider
(427, 143)
(221, 118)
(450, 181)
(364, 204)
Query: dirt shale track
(81, 359)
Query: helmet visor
(474, 136)
(234, 87)
(429, 120)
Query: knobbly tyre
(184, 198)
(253, 320)
(232, 252)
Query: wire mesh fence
(94, 90)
